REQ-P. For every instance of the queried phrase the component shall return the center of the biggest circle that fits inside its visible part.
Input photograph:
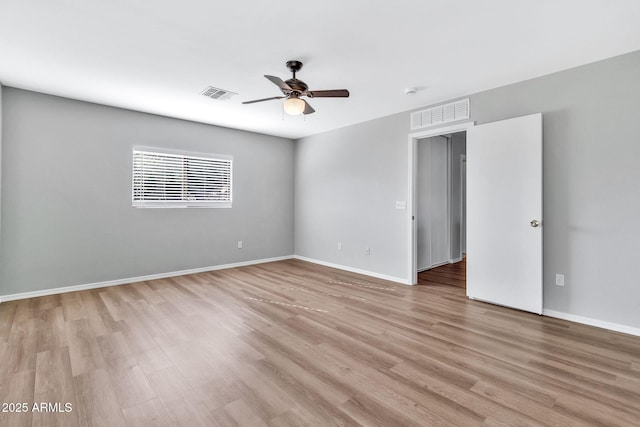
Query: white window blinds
(163, 179)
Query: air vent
(217, 93)
(451, 112)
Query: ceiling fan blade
(308, 109)
(278, 82)
(263, 99)
(335, 93)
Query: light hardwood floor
(294, 344)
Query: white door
(504, 213)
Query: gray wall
(347, 183)
(347, 180)
(66, 196)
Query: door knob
(535, 223)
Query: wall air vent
(451, 112)
(217, 93)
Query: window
(167, 179)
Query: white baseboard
(128, 280)
(592, 322)
(354, 270)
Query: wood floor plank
(396, 391)
(188, 413)
(129, 382)
(21, 350)
(467, 398)
(317, 394)
(115, 303)
(193, 363)
(51, 329)
(259, 391)
(153, 360)
(26, 309)
(301, 377)
(72, 306)
(149, 413)
(185, 404)
(148, 294)
(17, 390)
(54, 384)
(291, 343)
(242, 414)
(83, 348)
(291, 418)
(521, 403)
(367, 411)
(97, 402)
(100, 321)
(48, 302)
(7, 316)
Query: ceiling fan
(294, 89)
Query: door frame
(412, 172)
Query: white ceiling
(157, 56)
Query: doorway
(440, 205)
(452, 236)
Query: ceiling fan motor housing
(296, 85)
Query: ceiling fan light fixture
(294, 106)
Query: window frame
(182, 203)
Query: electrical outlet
(559, 279)
(367, 251)
(401, 204)
(239, 244)
(339, 246)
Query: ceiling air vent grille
(451, 112)
(217, 93)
